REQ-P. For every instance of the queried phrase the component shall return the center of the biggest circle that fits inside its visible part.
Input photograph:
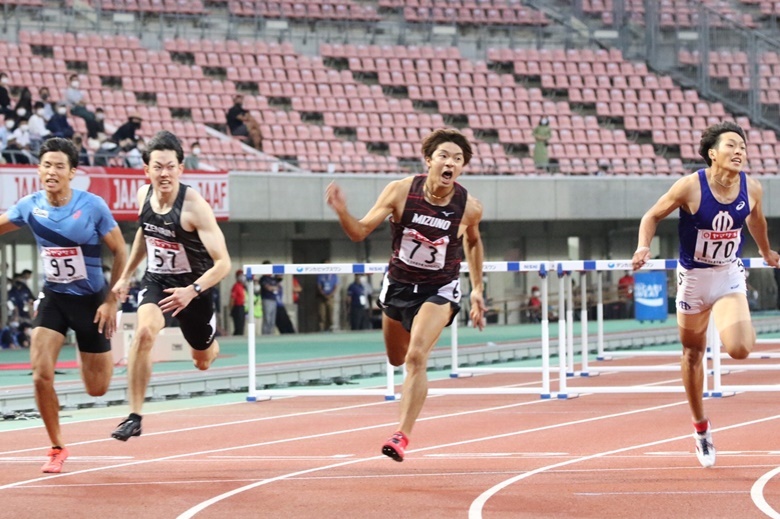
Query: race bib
(716, 247)
(166, 257)
(63, 264)
(418, 251)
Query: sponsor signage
(650, 301)
(117, 186)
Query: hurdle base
(603, 357)
(391, 398)
(720, 394)
(545, 396)
(461, 375)
(566, 396)
(588, 374)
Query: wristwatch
(197, 288)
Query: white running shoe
(705, 450)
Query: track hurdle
(388, 389)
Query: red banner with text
(117, 186)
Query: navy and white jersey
(713, 236)
(426, 246)
(69, 239)
(174, 257)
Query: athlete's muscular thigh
(693, 329)
(732, 319)
(396, 340)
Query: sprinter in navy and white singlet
(69, 226)
(714, 204)
(185, 256)
(433, 222)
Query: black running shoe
(130, 427)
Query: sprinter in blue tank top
(713, 203)
(434, 221)
(69, 226)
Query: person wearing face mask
(134, 157)
(18, 149)
(434, 223)
(125, 136)
(535, 306)
(5, 95)
(95, 124)
(5, 133)
(192, 161)
(24, 106)
(48, 105)
(242, 124)
(38, 130)
(73, 95)
(542, 133)
(58, 125)
(238, 303)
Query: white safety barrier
(565, 352)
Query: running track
(596, 456)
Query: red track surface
(596, 456)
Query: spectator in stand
(191, 161)
(241, 123)
(134, 157)
(48, 104)
(359, 305)
(5, 133)
(73, 94)
(21, 296)
(283, 322)
(24, 106)
(96, 129)
(78, 141)
(542, 133)
(58, 125)
(38, 130)
(5, 95)
(18, 149)
(125, 136)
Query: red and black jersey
(426, 246)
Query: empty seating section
(467, 12)
(154, 7)
(309, 10)
(625, 92)
(673, 13)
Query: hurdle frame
(565, 332)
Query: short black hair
(59, 144)
(711, 137)
(438, 137)
(163, 141)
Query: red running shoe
(394, 447)
(57, 457)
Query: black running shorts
(401, 302)
(197, 321)
(59, 312)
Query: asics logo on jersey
(159, 230)
(740, 205)
(431, 221)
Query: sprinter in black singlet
(185, 256)
(430, 217)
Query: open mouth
(446, 174)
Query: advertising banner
(117, 186)
(650, 302)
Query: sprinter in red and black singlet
(426, 247)
(434, 221)
(185, 256)
(713, 204)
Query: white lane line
(757, 493)
(475, 510)
(660, 493)
(205, 504)
(260, 444)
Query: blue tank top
(713, 236)
(69, 239)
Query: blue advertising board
(650, 302)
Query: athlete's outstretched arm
(669, 201)
(475, 253)
(202, 218)
(756, 223)
(137, 254)
(106, 313)
(6, 225)
(358, 230)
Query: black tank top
(174, 257)
(426, 246)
